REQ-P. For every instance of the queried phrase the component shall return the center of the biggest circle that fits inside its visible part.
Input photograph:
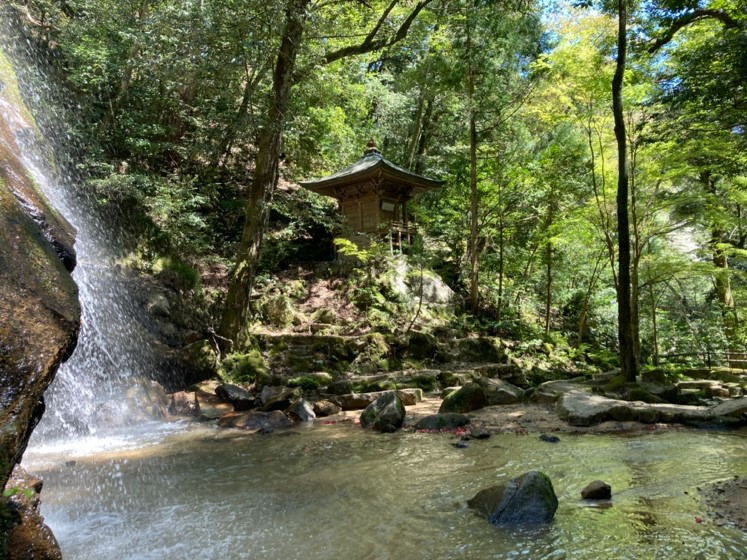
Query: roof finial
(371, 148)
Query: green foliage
(27, 492)
(306, 382)
(171, 98)
(246, 367)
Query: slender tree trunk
(587, 298)
(654, 327)
(474, 271)
(722, 281)
(501, 245)
(415, 137)
(628, 363)
(236, 311)
(474, 297)
(548, 286)
(425, 134)
(548, 259)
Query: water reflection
(337, 491)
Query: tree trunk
(501, 248)
(548, 286)
(236, 311)
(474, 271)
(587, 298)
(654, 326)
(628, 363)
(722, 281)
(425, 135)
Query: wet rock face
(39, 308)
(528, 499)
(597, 490)
(28, 537)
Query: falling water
(114, 344)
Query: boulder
(279, 398)
(468, 398)
(240, 398)
(302, 410)
(255, 420)
(528, 499)
(182, 404)
(28, 538)
(445, 421)
(326, 408)
(341, 387)
(386, 414)
(499, 392)
(597, 490)
(146, 399)
(580, 408)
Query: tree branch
(371, 42)
(692, 17)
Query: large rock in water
(386, 414)
(468, 398)
(39, 308)
(528, 499)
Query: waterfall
(114, 344)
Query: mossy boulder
(246, 367)
(498, 391)
(481, 349)
(386, 414)
(373, 354)
(528, 499)
(468, 398)
(202, 358)
(420, 346)
(278, 311)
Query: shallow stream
(170, 491)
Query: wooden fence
(708, 358)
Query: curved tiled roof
(371, 165)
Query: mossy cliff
(39, 308)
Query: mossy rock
(528, 499)
(311, 381)
(278, 311)
(324, 316)
(420, 346)
(373, 354)
(386, 414)
(468, 398)
(202, 357)
(483, 349)
(244, 368)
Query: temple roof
(371, 166)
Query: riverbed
(179, 490)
